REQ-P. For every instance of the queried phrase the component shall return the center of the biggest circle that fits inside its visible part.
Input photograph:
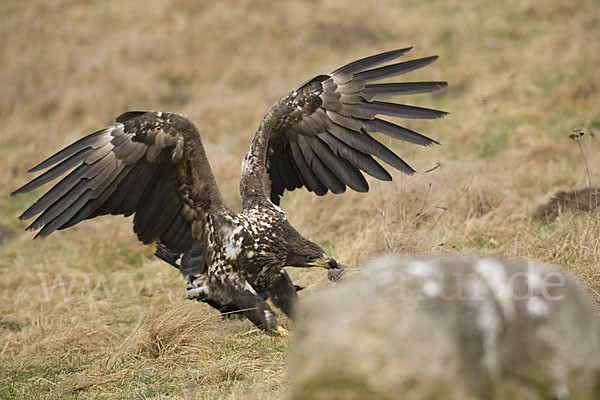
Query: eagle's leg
(198, 289)
(228, 311)
(232, 297)
(283, 293)
(254, 307)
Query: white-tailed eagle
(152, 164)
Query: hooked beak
(326, 262)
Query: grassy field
(89, 313)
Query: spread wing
(150, 164)
(319, 136)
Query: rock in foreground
(448, 328)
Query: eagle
(153, 165)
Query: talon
(281, 331)
(195, 294)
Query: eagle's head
(304, 253)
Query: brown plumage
(152, 164)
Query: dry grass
(88, 313)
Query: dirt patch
(577, 201)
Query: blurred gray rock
(447, 328)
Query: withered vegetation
(89, 313)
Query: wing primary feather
(134, 184)
(70, 198)
(310, 179)
(353, 124)
(321, 170)
(292, 171)
(394, 70)
(99, 153)
(150, 202)
(59, 206)
(79, 210)
(96, 198)
(56, 192)
(281, 173)
(396, 131)
(53, 173)
(95, 171)
(168, 207)
(369, 110)
(172, 208)
(400, 89)
(65, 216)
(83, 143)
(170, 234)
(347, 174)
(182, 240)
(371, 61)
(179, 236)
(276, 174)
(357, 158)
(365, 143)
(100, 203)
(361, 184)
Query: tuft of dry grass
(88, 312)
